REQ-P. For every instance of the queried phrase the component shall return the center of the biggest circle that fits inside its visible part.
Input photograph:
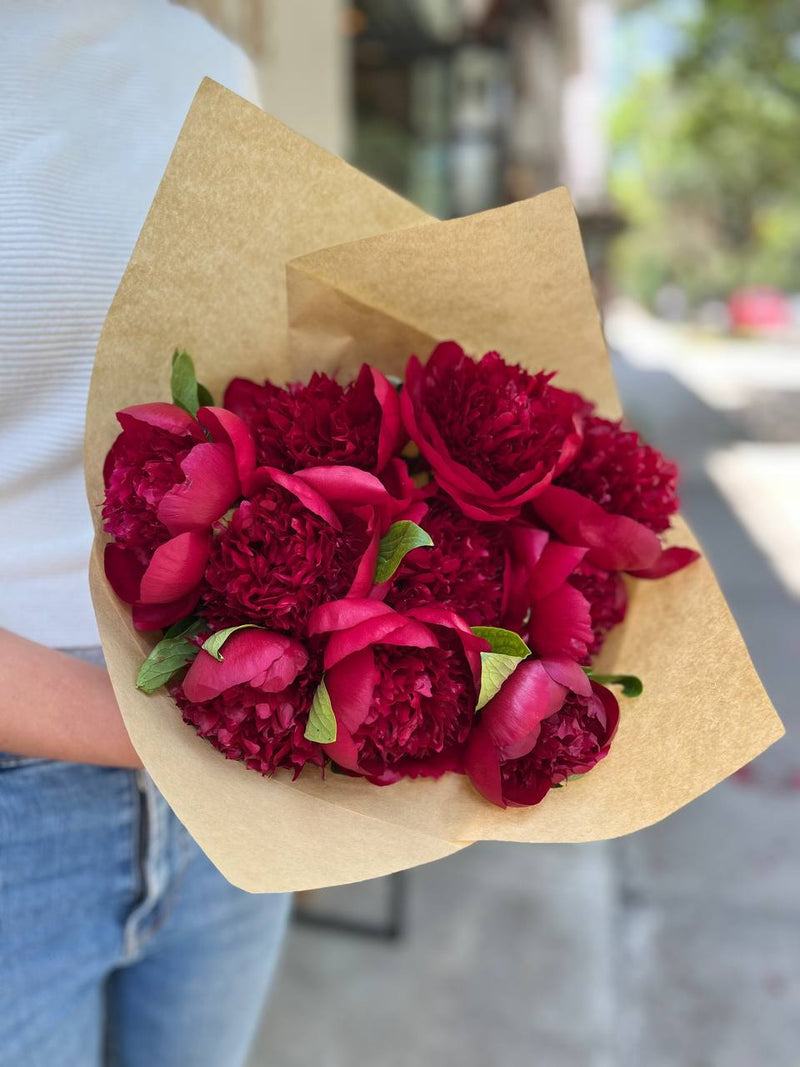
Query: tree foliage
(707, 156)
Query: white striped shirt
(92, 97)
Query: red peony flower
(623, 475)
(163, 477)
(496, 574)
(322, 423)
(403, 687)
(494, 435)
(607, 598)
(298, 541)
(614, 499)
(537, 732)
(254, 705)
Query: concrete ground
(676, 947)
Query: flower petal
(227, 428)
(305, 493)
(392, 435)
(514, 715)
(124, 572)
(671, 560)
(175, 568)
(268, 661)
(159, 616)
(614, 541)
(211, 487)
(482, 764)
(561, 624)
(167, 417)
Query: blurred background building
(676, 126)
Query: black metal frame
(393, 929)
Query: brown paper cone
(262, 255)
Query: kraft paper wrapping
(263, 255)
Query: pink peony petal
(364, 580)
(670, 561)
(555, 565)
(267, 661)
(347, 486)
(614, 541)
(211, 487)
(303, 490)
(392, 435)
(163, 416)
(159, 616)
(561, 624)
(343, 614)
(513, 716)
(176, 567)
(482, 765)
(567, 672)
(227, 428)
(611, 711)
(370, 632)
(124, 572)
(350, 684)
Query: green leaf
(213, 644)
(495, 668)
(169, 655)
(190, 627)
(184, 382)
(631, 685)
(204, 397)
(321, 725)
(400, 538)
(508, 650)
(504, 641)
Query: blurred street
(676, 947)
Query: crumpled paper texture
(264, 256)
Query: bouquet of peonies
(396, 581)
(435, 572)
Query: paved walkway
(676, 947)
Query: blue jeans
(120, 943)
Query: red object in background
(759, 307)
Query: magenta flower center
(275, 561)
(423, 703)
(314, 425)
(464, 570)
(497, 420)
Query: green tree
(707, 156)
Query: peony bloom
(537, 732)
(623, 475)
(614, 499)
(298, 541)
(403, 687)
(607, 598)
(494, 435)
(322, 423)
(253, 706)
(511, 575)
(164, 477)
